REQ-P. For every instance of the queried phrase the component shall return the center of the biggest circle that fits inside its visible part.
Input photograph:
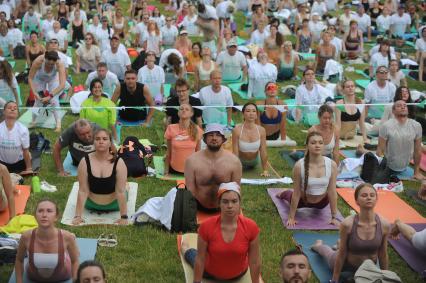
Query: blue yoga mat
(87, 249)
(68, 165)
(349, 153)
(318, 264)
(362, 83)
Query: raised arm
(254, 260)
(120, 191)
(83, 191)
(150, 103)
(200, 259)
(332, 194)
(342, 251)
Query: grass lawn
(149, 254)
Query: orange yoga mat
(389, 206)
(21, 197)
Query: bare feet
(418, 176)
(316, 245)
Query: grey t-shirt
(400, 142)
(77, 148)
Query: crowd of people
(134, 61)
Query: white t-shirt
(61, 36)
(421, 45)
(16, 37)
(116, 62)
(153, 78)
(209, 13)
(376, 48)
(316, 29)
(310, 97)
(319, 7)
(399, 24)
(6, 91)
(331, 5)
(161, 21)
(88, 57)
(375, 94)
(379, 60)
(189, 25)
(140, 29)
(222, 9)
(364, 22)
(231, 66)
(396, 80)
(94, 29)
(47, 26)
(259, 75)
(153, 42)
(345, 21)
(7, 9)
(258, 38)
(103, 38)
(13, 142)
(169, 35)
(110, 82)
(5, 42)
(83, 15)
(210, 98)
(383, 23)
(163, 59)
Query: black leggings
(17, 167)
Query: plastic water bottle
(35, 184)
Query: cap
(210, 128)
(226, 187)
(347, 6)
(232, 42)
(53, 39)
(243, 48)
(315, 14)
(183, 32)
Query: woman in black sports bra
(102, 180)
(348, 113)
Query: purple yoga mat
(415, 259)
(307, 218)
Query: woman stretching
(52, 252)
(249, 140)
(228, 244)
(362, 236)
(102, 180)
(314, 181)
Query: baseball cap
(231, 43)
(183, 32)
(227, 187)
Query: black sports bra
(345, 117)
(101, 186)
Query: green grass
(149, 254)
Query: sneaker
(46, 187)
(7, 254)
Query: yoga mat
(159, 170)
(310, 119)
(129, 123)
(241, 41)
(255, 173)
(407, 174)
(385, 207)
(348, 153)
(191, 238)
(307, 56)
(285, 154)
(91, 217)
(227, 82)
(318, 264)
(307, 218)
(87, 248)
(42, 120)
(280, 143)
(361, 72)
(415, 259)
(414, 195)
(353, 142)
(67, 164)
(167, 88)
(236, 88)
(362, 83)
(376, 112)
(21, 198)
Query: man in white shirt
(384, 21)
(109, 79)
(169, 33)
(400, 23)
(379, 91)
(60, 34)
(6, 9)
(153, 77)
(208, 23)
(219, 96)
(5, 41)
(48, 22)
(232, 63)
(140, 29)
(95, 25)
(117, 60)
(31, 21)
(316, 27)
(364, 21)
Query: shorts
(202, 208)
(274, 136)
(91, 205)
(17, 167)
(419, 241)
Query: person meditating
(52, 253)
(102, 180)
(272, 119)
(362, 236)
(228, 244)
(314, 181)
(183, 139)
(7, 192)
(249, 140)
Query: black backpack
(133, 152)
(374, 172)
(184, 218)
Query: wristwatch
(124, 216)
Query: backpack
(19, 52)
(133, 152)
(374, 172)
(184, 218)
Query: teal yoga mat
(318, 264)
(362, 83)
(307, 56)
(241, 41)
(159, 170)
(42, 120)
(236, 88)
(167, 88)
(376, 112)
(67, 164)
(87, 247)
(361, 72)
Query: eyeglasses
(182, 90)
(88, 38)
(382, 72)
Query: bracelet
(124, 216)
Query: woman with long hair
(77, 29)
(152, 38)
(173, 63)
(272, 119)
(228, 244)
(183, 139)
(304, 38)
(52, 252)
(119, 23)
(314, 181)
(88, 55)
(396, 76)
(8, 84)
(193, 58)
(362, 236)
(102, 180)
(183, 43)
(249, 140)
(325, 51)
(381, 58)
(204, 69)
(288, 63)
(353, 42)
(273, 44)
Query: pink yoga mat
(415, 259)
(307, 218)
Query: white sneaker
(46, 187)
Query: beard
(214, 148)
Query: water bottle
(35, 184)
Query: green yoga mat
(241, 41)
(362, 83)
(310, 119)
(376, 112)
(42, 120)
(236, 88)
(12, 64)
(167, 88)
(159, 170)
(307, 56)
(361, 72)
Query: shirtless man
(205, 170)
(208, 22)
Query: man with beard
(400, 140)
(295, 267)
(206, 169)
(79, 140)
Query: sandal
(111, 241)
(102, 240)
